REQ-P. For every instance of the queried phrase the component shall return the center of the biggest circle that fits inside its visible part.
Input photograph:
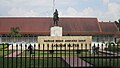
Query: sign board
(64, 42)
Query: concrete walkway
(75, 61)
(107, 52)
(14, 54)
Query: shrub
(113, 49)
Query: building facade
(32, 27)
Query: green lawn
(47, 53)
(103, 62)
(3, 47)
(61, 53)
(34, 63)
(5, 52)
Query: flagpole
(53, 5)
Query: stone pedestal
(56, 31)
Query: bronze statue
(55, 17)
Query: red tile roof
(79, 24)
(108, 27)
(26, 25)
(41, 25)
(117, 35)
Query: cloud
(111, 13)
(114, 7)
(87, 12)
(71, 11)
(106, 1)
(22, 12)
(114, 10)
(109, 10)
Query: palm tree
(14, 32)
(118, 24)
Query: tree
(14, 32)
(118, 24)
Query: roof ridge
(116, 26)
(99, 27)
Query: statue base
(56, 31)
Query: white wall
(19, 39)
(0, 40)
(103, 38)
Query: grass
(6, 52)
(3, 47)
(114, 48)
(33, 63)
(103, 62)
(61, 53)
(3, 51)
(47, 53)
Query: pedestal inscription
(56, 31)
(64, 42)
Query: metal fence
(59, 55)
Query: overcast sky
(104, 10)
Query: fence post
(117, 55)
(98, 53)
(102, 54)
(12, 56)
(52, 54)
(86, 50)
(61, 54)
(21, 56)
(25, 54)
(77, 54)
(65, 53)
(90, 52)
(69, 52)
(38, 55)
(16, 56)
(47, 54)
(7, 55)
(34, 54)
(81, 54)
(43, 55)
(3, 55)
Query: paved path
(74, 61)
(40, 56)
(14, 54)
(107, 52)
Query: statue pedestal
(56, 31)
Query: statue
(55, 17)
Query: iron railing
(59, 55)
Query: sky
(103, 10)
